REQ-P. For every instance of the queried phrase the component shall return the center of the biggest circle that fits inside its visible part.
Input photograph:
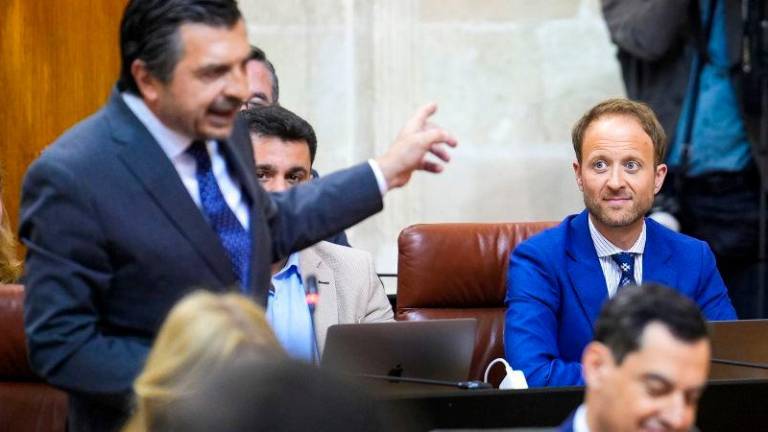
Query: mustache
(226, 104)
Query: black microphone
(312, 298)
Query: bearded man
(558, 280)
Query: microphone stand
(312, 298)
(740, 363)
(468, 385)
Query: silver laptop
(433, 349)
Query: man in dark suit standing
(648, 365)
(156, 194)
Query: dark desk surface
(725, 406)
(735, 399)
(745, 341)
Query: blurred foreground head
(648, 364)
(277, 397)
(203, 334)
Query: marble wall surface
(510, 77)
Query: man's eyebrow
(293, 170)
(212, 67)
(650, 376)
(265, 167)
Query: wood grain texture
(59, 61)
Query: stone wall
(510, 77)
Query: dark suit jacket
(555, 289)
(114, 240)
(656, 42)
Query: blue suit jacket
(556, 288)
(114, 240)
(567, 425)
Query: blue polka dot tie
(626, 263)
(233, 236)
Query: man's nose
(616, 177)
(279, 185)
(678, 414)
(237, 85)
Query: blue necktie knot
(626, 263)
(199, 151)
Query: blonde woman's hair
(10, 265)
(203, 333)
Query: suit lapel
(152, 168)
(584, 269)
(657, 256)
(327, 312)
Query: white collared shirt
(580, 419)
(175, 145)
(605, 249)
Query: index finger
(419, 119)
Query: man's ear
(577, 173)
(146, 82)
(660, 175)
(597, 363)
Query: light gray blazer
(350, 291)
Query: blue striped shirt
(605, 249)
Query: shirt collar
(173, 143)
(605, 248)
(580, 419)
(291, 266)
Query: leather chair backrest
(26, 402)
(459, 270)
(13, 348)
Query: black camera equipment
(754, 67)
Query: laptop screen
(433, 349)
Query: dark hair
(640, 111)
(623, 319)
(260, 56)
(150, 31)
(279, 122)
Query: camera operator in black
(684, 58)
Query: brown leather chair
(459, 270)
(26, 403)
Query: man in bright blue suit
(558, 280)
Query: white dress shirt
(605, 249)
(175, 145)
(580, 419)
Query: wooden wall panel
(58, 63)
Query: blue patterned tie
(626, 263)
(233, 236)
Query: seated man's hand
(409, 151)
